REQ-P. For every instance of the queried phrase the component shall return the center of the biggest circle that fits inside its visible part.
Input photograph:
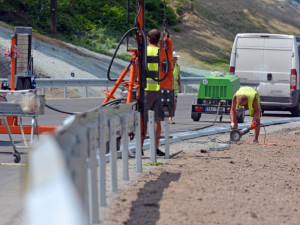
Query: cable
(167, 69)
(61, 111)
(113, 102)
(117, 49)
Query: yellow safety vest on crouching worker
(250, 93)
(152, 85)
(175, 75)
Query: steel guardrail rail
(62, 82)
(97, 82)
(81, 146)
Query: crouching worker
(246, 98)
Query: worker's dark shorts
(240, 110)
(151, 103)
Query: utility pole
(53, 17)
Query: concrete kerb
(212, 131)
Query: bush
(101, 22)
(178, 28)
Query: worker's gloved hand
(252, 125)
(233, 125)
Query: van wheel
(296, 111)
(241, 118)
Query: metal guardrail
(88, 82)
(61, 82)
(82, 145)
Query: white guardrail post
(151, 125)
(167, 146)
(103, 128)
(138, 143)
(83, 144)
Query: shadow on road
(145, 210)
(277, 114)
(8, 143)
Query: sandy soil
(248, 184)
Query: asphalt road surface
(11, 173)
(182, 119)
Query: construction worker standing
(177, 82)
(246, 98)
(151, 90)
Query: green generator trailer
(215, 96)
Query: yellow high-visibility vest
(175, 75)
(250, 93)
(151, 84)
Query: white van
(270, 64)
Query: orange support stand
(27, 129)
(118, 82)
(131, 84)
(12, 120)
(12, 58)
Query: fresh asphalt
(11, 174)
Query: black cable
(167, 69)
(61, 111)
(114, 102)
(117, 49)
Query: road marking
(12, 164)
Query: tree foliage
(87, 21)
(78, 17)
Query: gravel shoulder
(247, 184)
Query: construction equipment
(235, 135)
(23, 103)
(19, 84)
(215, 96)
(22, 64)
(164, 59)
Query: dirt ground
(247, 184)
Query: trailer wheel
(196, 116)
(296, 111)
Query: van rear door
(249, 60)
(276, 70)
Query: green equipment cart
(215, 96)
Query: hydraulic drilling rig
(164, 60)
